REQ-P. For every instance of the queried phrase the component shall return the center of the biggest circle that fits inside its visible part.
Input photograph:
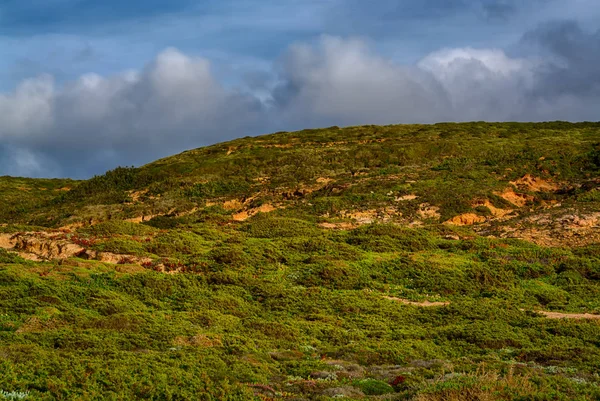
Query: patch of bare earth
(39, 246)
(426, 211)
(136, 195)
(535, 184)
(467, 219)
(569, 229)
(8, 242)
(338, 226)
(370, 216)
(233, 205)
(405, 198)
(246, 214)
(425, 304)
(141, 219)
(559, 315)
(516, 199)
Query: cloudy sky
(88, 85)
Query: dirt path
(425, 304)
(547, 314)
(559, 315)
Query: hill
(410, 262)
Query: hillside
(408, 262)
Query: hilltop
(403, 262)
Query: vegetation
(314, 265)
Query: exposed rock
(47, 246)
(426, 211)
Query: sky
(87, 85)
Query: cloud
(174, 103)
(576, 56)
(483, 84)
(342, 81)
(133, 117)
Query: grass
(279, 307)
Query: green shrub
(267, 226)
(120, 246)
(218, 188)
(108, 228)
(8, 257)
(373, 387)
(163, 222)
(174, 243)
(389, 238)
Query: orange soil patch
(26, 189)
(516, 199)
(535, 184)
(6, 241)
(246, 214)
(65, 189)
(425, 304)
(467, 219)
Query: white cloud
(172, 104)
(341, 81)
(482, 84)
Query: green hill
(410, 262)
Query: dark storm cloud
(576, 59)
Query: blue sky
(88, 85)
